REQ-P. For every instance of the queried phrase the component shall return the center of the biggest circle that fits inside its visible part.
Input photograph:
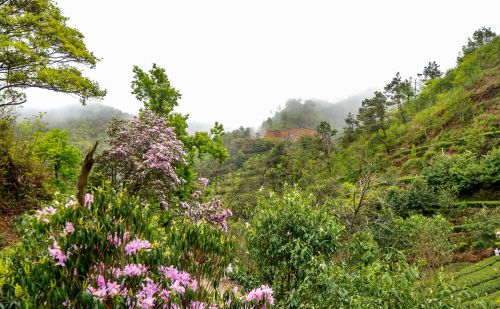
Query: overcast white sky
(234, 61)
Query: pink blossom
(203, 181)
(177, 287)
(229, 268)
(264, 293)
(194, 285)
(114, 239)
(89, 200)
(70, 204)
(41, 215)
(98, 294)
(56, 253)
(175, 275)
(113, 288)
(69, 228)
(136, 245)
(134, 270)
(197, 305)
(66, 303)
(147, 303)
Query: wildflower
(147, 303)
(89, 200)
(56, 253)
(497, 252)
(175, 275)
(113, 288)
(70, 204)
(136, 245)
(229, 268)
(197, 305)
(203, 181)
(69, 228)
(264, 293)
(134, 270)
(41, 215)
(194, 285)
(66, 303)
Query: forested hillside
(393, 203)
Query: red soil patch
(289, 134)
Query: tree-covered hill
(85, 124)
(298, 113)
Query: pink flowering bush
(211, 211)
(116, 252)
(143, 156)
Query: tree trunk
(84, 174)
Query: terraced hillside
(482, 278)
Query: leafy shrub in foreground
(289, 238)
(113, 252)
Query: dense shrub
(289, 238)
(417, 198)
(458, 172)
(421, 239)
(464, 173)
(482, 226)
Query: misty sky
(234, 61)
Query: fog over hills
(296, 113)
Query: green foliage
(326, 133)
(421, 239)
(54, 151)
(417, 198)
(39, 50)
(482, 226)
(463, 172)
(460, 173)
(22, 177)
(490, 167)
(154, 90)
(289, 238)
(386, 283)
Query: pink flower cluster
(179, 280)
(105, 289)
(137, 245)
(56, 253)
(45, 213)
(89, 200)
(264, 294)
(116, 240)
(134, 270)
(68, 228)
(203, 181)
(70, 204)
(212, 211)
